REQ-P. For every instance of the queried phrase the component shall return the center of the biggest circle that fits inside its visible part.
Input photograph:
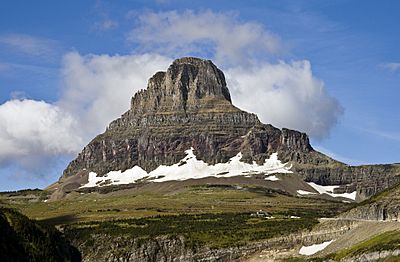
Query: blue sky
(329, 68)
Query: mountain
(185, 120)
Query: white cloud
(221, 34)
(285, 95)
(29, 45)
(30, 128)
(97, 88)
(392, 67)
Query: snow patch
(330, 189)
(272, 178)
(311, 250)
(302, 192)
(192, 168)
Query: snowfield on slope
(311, 250)
(329, 191)
(192, 168)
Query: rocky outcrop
(189, 105)
(384, 255)
(376, 211)
(367, 180)
(383, 207)
(104, 247)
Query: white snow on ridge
(303, 192)
(192, 168)
(311, 250)
(272, 178)
(330, 189)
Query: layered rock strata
(189, 105)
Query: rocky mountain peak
(190, 85)
(188, 106)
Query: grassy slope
(215, 216)
(386, 241)
(213, 230)
(387, 194)
(382, 242)
(192, 200)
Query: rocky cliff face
(384, 207)
(367, 180)
(105, 247)
(189, 105)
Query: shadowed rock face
(189, 105)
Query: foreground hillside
(195, 222)
(22, 239)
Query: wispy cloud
(28, 45)
(222, 35)
(282, 94)
(4, 67)
(106, 24)
(395, 136)
(18, 95)
(339, 157)
(392, 67)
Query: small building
(261, 213)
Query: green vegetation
(190, 200)
(295, 259)
(22, 192)
(213, 230)
(22, 239)
(386, 241)
(213, 216)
